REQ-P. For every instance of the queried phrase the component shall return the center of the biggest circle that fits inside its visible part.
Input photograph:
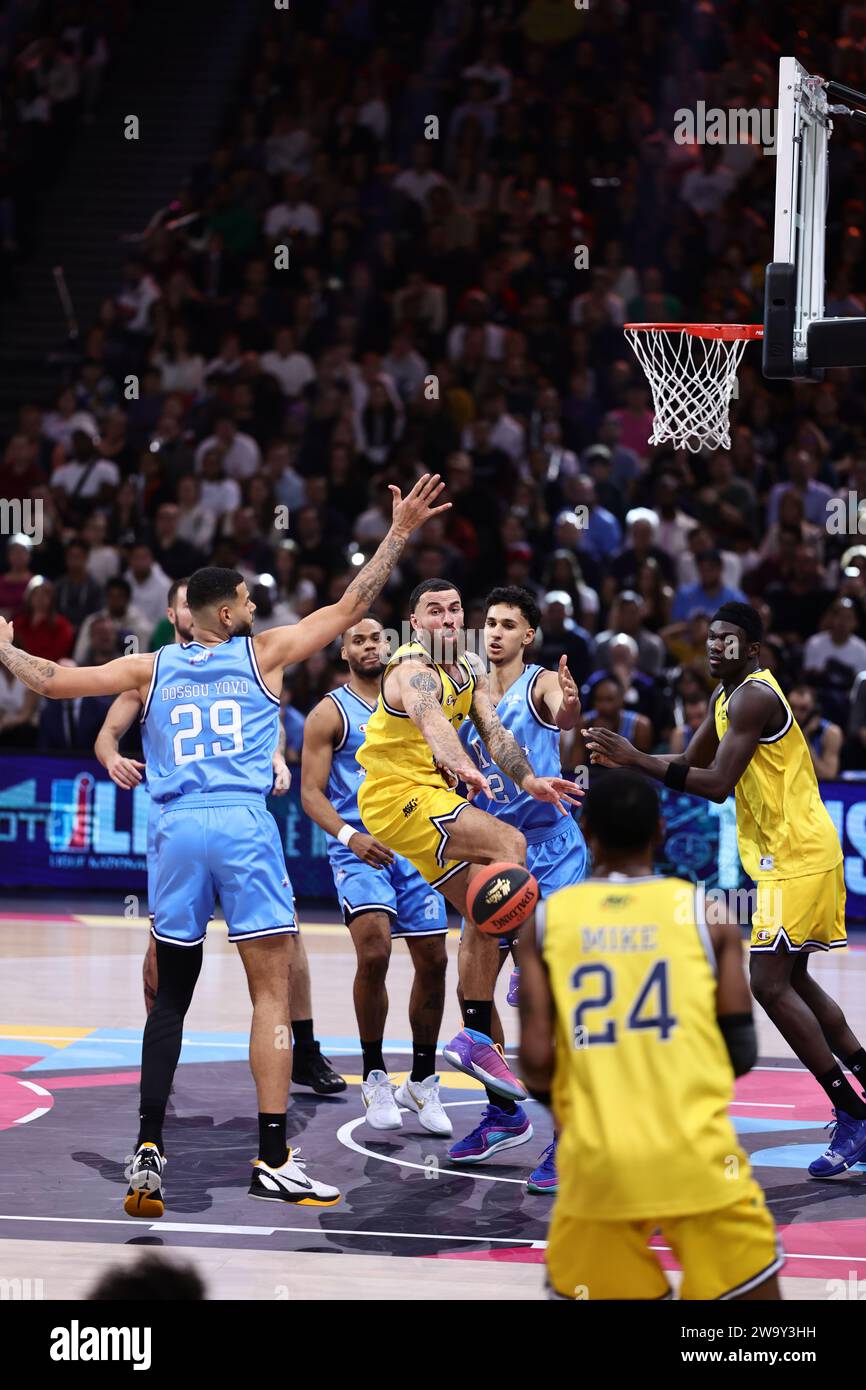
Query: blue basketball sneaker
(847, 1146)
(496, 1131)
(543, 1178)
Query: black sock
(302, 1032)
(373, 1059)
(857, 1063)
(150, 1121)
(423, 1061)
(841, 1093)
(509, 1107)
(273, 1149)
(478, 1014)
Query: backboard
(799, 342)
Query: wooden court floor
(408, 1226)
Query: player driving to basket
(413, 760)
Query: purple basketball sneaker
(543, 1178)
(513, 987)
(496, 1131)
(479, 1056)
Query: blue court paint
(121, 1047)
(752, 1124)
(792, 1156)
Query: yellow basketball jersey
(642, 1078)
(394, 746)
(783, 827)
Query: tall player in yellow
(413, 760)
(635, 1017)
(751, 744)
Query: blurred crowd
(377, 273)
(53, 58)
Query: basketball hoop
(692, 371)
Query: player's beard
(242, 627)
(368, 673)
(184, 634)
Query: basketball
(501, 897)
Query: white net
(692, 381)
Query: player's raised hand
(7, 632)
(417, 507)
(568, 686)
(370, 850)
(124, 772)
(557, 790)
(608, 749)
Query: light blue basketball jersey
(346, 773)
(539, 740)
(210, 724)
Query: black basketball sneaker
(314, 1072)
(145, 1195)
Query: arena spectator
(133, 627)
(822, 736)
(148, 583)
(77, 594)
(709, 593)
(19, 573)
(39, 628)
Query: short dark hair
(429, 586)
(79, 542)
(151, 1278)
(212, 585)
(741, 615)
(367, 617)
(515, 597)
(118, 582)
(710, 557)
(621, 810)
(172, 593)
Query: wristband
(345, 834)
(676, 776)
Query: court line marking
(763, 1105)
(273, 1230)
(344, 1137)
(334, 1231)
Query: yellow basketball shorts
(800, 914)
(413, 820)
(723, 1253)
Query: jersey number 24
(650, 1010)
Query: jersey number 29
(225, 722)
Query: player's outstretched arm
(733, 997)
(124, 772)
(537, 1015)
(510, 757)
(322, 729)
(283, 646)
(558, 689)
(746, 723)
(69, 682)
(418, 690)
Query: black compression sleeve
(738, 1031)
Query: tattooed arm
(68, 682)
(415, 689)
(507, 753)
(283, 646)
